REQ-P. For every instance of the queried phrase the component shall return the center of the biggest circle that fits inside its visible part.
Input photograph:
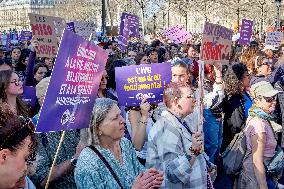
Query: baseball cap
(263, 89)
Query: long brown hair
(22, 107)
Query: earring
(100, 133)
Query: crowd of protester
(152, 145)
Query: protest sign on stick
(129, 27)
(246, 32)
(147, 80)
(177, 34)
(55, 159)
(200, 95)
(73, 85)
(85, 29)
(216, 44)
(274, 38)
(47, 31)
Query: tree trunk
(103, 17)
(109, 14)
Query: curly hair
(233, 84)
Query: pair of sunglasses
(270, 99)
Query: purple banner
(70, 26)
(29, 95)
(147, 80)
(246, 32)
(73, 85)
(129, 27)
(26, 35)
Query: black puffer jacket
(234, 118)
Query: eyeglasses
(17, 83)
(188, 96)
(270, 99)
(266, 63)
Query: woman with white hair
(110, 160)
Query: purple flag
(73, 85)
(70, 26)
(146, 80)
(246, 32)
(26, 35)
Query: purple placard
(26, 35)
(246, 32)
(178, 34)
(70, 26)
(29, 95)
(129, 22)
(147, 80)
(129, 27)
(73, 85)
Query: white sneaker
(280, 186)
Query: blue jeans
(270, 183)
(213, 135)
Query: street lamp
(278, 5)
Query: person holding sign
(139, 124)
(175, 147)
(110, 161)
(62, 175)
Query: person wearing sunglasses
(11, 88)
(17, 149)
(260, 137)
(262, 69)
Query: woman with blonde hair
(263, 69)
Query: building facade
(14, 13)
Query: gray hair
(100, 111)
